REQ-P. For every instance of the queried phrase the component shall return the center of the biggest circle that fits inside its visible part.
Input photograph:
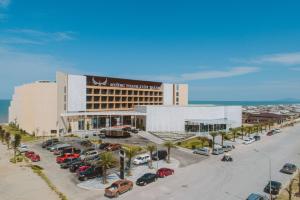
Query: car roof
(254, 196)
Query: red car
(270, 133)
(35, 158)
(162, 172)
(28, 154)
(113, 147)
(61, 159)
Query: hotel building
(82, 103)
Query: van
(160, 155)
(141, 159)
(218, 150)
(59, 147)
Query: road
(215, 180)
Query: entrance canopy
(114, 113)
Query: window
(177, 87)
(81, 124)
(89, 91)
(96, 98)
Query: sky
(224, 50)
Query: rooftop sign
(122, 83)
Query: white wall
(167, 94)
(76, 93)
(172, 118)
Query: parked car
(69, 150)
(141, 159)
(202, 151)
(135, 131)
(92, 159)
(256, 137)
(248, 140)
(277, 130)
(74, 166)
(28, 154)
(35, 158)
(103, 146)
(88, 154)
(218, 150)
(113, 147)
(275, 187)
(60, 150)
(118, 187)
(163, 172)
(23, 148)
(68, 162)
(288, 168)
(49, 142)
(53, 144)
(90, 172)
(59, 147)
(227, 147)
(254, 196)
(60, 159)
(270, 133)
(86, 143)
(160, 155)
(146, 179)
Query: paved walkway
(151, 137)
(20, 183)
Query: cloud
(34, 37)
(295, 69)
(202, 75)
(4, 3)
(280, 58)
(19, 67)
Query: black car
(160, 155)
(91, 172)
(134, 130)
(103, 146)
(74, 166)
(68, 162)
(275, 187)
(146, 179)
(256, 137)
(49, 142)
(288, 168)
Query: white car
(277, 130)
(141, 159)
(248, 140)
(88, 154)
(23, 148)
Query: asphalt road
(215, 180)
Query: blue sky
(224, 50)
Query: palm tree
(7, 139)
(169, 146)
(130, 152)
(242, 130)
(107, 161)
(234, 132)
(213, 135)
(151, 148)
(222, 133)
(16, 143)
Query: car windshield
(113, 186)
(275, 184)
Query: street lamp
(270, 187)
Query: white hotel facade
(81, 103)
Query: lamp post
(270, 178)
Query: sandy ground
(20, 183)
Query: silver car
(202, 151)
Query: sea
(4, 104)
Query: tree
(87, 125)
(151, 148)
(7, 139)
(2, 135)
(16, 143)
(289, 189)
(213, 135)
(222, 133)
(242, 128)
(169, 145)
(234, 132)
(130, 152)
(107, 161)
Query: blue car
(254, 196)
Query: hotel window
(129, 98)
(124, 105)
(89, 91)
(110, 91)
(124, 92)
(177, 94)
(135, 99)
(129, 92)
(117, 92)
(104, 91)
(151, 93)
(96, 98)
(140, 92)
(111, 105)
(110, 98)
(130, 105)
(118, 105)
(96, 106)
(96, 91)
(135, 92)
(124, 98)
(89, 106)
(89, 98)
(103, 106)
(177, 87)
(104, 98)
(117, 98)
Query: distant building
(80, 103)
(256, 118)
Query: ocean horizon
(4, 104)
